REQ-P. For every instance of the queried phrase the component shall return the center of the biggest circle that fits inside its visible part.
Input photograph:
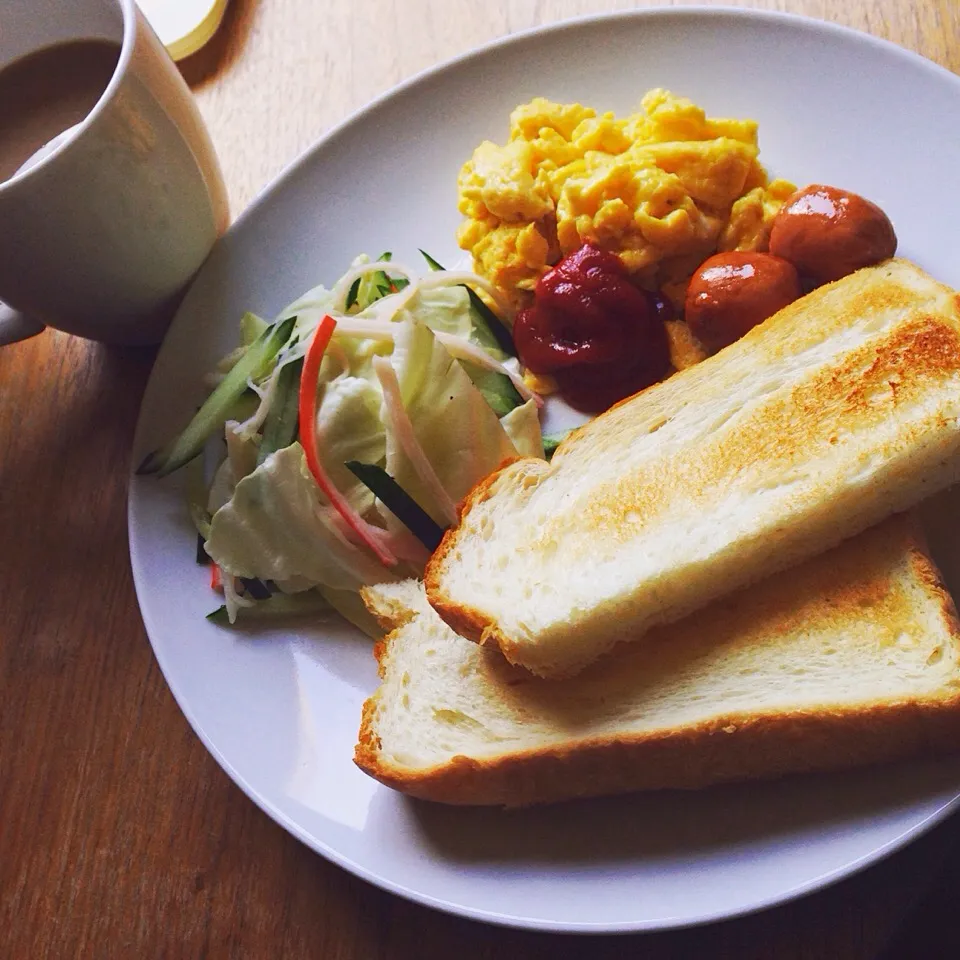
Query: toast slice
(851, 658)
(838, 411)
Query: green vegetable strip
(398, 502)
(197, 503)
(377, 286)
(498, 329)
(352, 293)
(220, 616)
(499, 392)
(215, 411)
(552, 441)
(255, 587)
(251, 327)
(379, 282)
(280, 604)
(373, 286)
(431, 263)
(280, 427)
(497, 389)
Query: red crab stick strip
(308, 440)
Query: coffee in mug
(110, 191)
(45, 93)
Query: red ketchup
(590, 328)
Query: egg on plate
(664, 188)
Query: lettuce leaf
(450, 310)
(522, 425)
(276, 527)
(456, 428)
(349, 428)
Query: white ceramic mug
(103, 229)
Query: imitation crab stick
(308, 440)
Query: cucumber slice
(431, 263)
(489, 330)
(217, 408)
(497, 329)
(280, 604)
(498, 390)
(398, 502)
(197, 504)
(352, 293)
(251, 327)
(280, 427)
(374, 286)
(552, 441)
(257, 589)
(244, 407)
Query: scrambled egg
(664, 188)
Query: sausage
(731, 293)
(827, 233)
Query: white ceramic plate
(279, 710)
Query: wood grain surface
(119, 835)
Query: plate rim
(263, 197)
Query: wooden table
(119, 835)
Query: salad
(351, 426)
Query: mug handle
(15, 326)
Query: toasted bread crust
(731, 748)
(927, 572)
(465, 620)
